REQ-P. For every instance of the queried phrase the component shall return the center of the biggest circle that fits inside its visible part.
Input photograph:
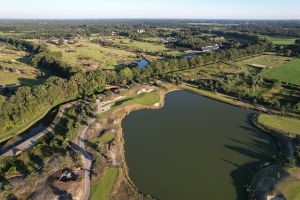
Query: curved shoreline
(235, 102)
(285, 149)
(163, 93)
(125, 167)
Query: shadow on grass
(121, 102)
(62, 194)
(31, 82)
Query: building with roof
(210, 48)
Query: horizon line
(154, 18)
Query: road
(86, 158)
(18, 148)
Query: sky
(182, 9)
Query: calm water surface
(193, 148)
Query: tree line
(30, 101)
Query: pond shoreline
(121, 143)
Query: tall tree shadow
(259, 148)
(62, 194)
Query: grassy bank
(102, 188)
(282, 124)
(25, 126)
(144, 99)
(105, 138)
(291, 190)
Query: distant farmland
(288, 73)
(282, 41)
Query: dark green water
(193, 148)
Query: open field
(142, 99)
(102, 188)
(8, 34)
(214, 71)
(281, 41)
(154, 39)
(105, 138)
(283, 124)
(14, 68)
(291, 190)
(90, 56)
(269, 60)
(144, 46)
(288, 73)
(240, 67)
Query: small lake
(142, 63)
(193, 148)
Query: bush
(290, 162)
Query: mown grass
(282, 41)
(105, 138)
(84, 52)
(146, 99)
(284, 124)
(142, 99)
(145, 46)
(15, 67)
(267, 60)
(101, 189)
(288, 73)
(292, 190)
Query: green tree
(125, 75)
(287, 52)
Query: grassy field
(8, 34)
(154, 39)
(287, 125)
(241, 66)
(291, 190)
(288, 73)
(142, 99)
(214, 71)
(15, 68)
(90, 56)
(270, 60)
(145, 99)
(101, 189)
(104, 139)
(145, 46)
(282, 41)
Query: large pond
(193, 148)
